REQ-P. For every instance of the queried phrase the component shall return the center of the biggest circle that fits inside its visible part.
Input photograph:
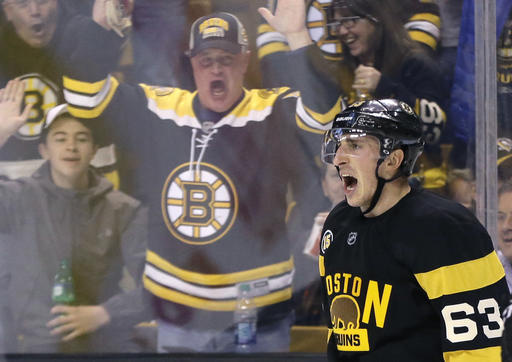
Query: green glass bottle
(63, 290)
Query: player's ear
(394, 160)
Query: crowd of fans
(141, 82)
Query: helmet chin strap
(380, 186)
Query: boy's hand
(11, 116)
(76, 321)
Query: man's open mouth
(217, 88)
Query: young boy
(65, 211)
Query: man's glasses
(225, 61)
(26, 3)
(348, 22)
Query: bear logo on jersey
(199, 205)
(345, 317)
(43, 95)
(326, 240)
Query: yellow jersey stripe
(83, 87)
(489, 354)
(113, 176)
(265, 28)
(424, 38)
(431, 18)
(96, 111)
(325, 118)
(305, 127)
(503, 159)
(271, 48)
(220, 279)
(321, 266)
(201, 303)
(461, 277)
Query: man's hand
(76, 321)
(290, 20)
(366, 78)
(113, 14)
(11, 117)
(99, 14)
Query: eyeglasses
(225, 61)
(348, 22)
(25, 3)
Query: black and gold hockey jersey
(216, 187)
(420, 282)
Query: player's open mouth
(507, 239)
(350, 182)
(217, 88)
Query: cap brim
(217, 44)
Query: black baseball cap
(219, 30)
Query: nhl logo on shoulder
(407, 108)
(352, 237)
(326, 240)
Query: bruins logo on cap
(214, 22)
(406, 108)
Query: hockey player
(214, 166)
(407, 275)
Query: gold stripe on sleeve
(489, 354)
(321, 266)
(461, 277)
(431, 18)
(423, 37)
(270, 48)
(83, 87)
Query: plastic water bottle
(63, 290)
(246, 319)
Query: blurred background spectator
(34, 34)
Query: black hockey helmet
(392, 121)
